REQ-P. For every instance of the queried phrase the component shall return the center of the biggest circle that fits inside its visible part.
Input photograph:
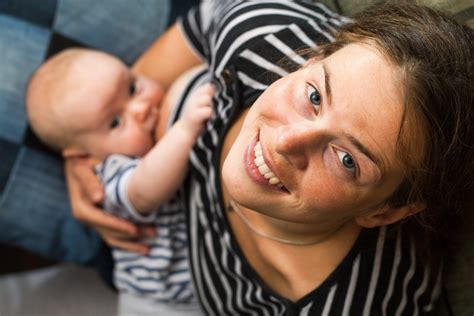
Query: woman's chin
(229, 176)
(233, 180)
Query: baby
(83, 102)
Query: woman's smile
(263, 167)
(257, 167)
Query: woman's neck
(290, 233)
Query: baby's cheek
(140, 150)
(138, 143)
(148, 144)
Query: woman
(317, 193)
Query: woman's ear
(388, 215)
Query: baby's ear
(71, 152)
(388, 215)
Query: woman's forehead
(363, 88)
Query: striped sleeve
(196, 24)
(114, 173)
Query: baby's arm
(161, 171)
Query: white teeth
(274, 180)
(259, 160)
(269, 175)
(263, 168)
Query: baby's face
(115, 110)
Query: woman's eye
(132, 88)
(314, 97)
(347, 161)
(115, 122)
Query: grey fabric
(56, 291)
(130, 305)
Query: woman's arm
(167, 58)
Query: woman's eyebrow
(327, 85)
(356, 143)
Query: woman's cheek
(331, 163)
(368, 173)
(324, 194)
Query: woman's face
(318, 146)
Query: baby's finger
(202, 100)
(207, 89)
(203, 114)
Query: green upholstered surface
(463, 10)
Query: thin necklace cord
(238, 211)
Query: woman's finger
(129, 245)
(147, 231)
(85, 192)
(85, 210)
(81, 170)
(97, 219)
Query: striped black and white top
(243, 43)
(164, 274)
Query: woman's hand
(85, 191)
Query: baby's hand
(198, 108)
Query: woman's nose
(296, 142)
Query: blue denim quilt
(34, 208)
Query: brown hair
(435, 55)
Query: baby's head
(86, 102)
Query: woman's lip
(252, 169)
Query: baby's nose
(141, 110)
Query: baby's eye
(132, 88)
(314, 97)
(347, 161)
(115, 122)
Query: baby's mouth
(264, 170)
